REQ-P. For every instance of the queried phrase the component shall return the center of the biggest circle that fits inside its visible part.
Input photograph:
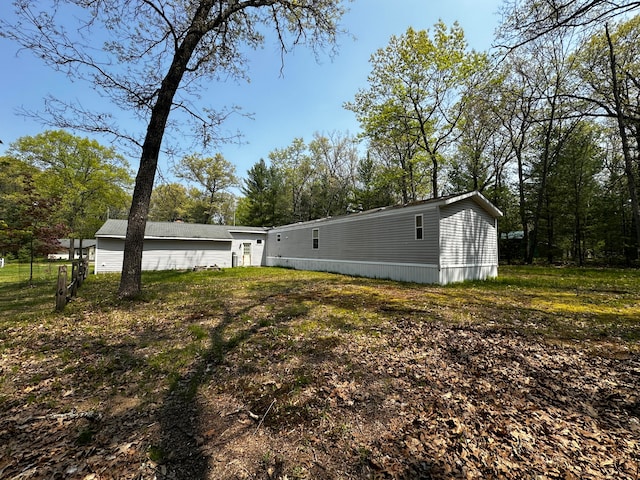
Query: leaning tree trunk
(131, 279)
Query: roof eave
(478, 198)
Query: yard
(265, 373)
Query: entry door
(246, 254)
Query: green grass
(188, 315)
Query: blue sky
(304, 98)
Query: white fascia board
(256, 232)
(194, 239)
(479, 198)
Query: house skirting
(391, 271)
(461, 273)
(417, 273)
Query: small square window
(419, 228)
(315, 237)
(259, 241)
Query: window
(278, 238)
(259, 241)
(315, 237)
(419, 228)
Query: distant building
(88, 249)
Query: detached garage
(443, 240)
(176, 246)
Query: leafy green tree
(373, 186)
(16, 180)
(27, 215)
(415, 92)
(296, 167)
(214, 175)
(335, 157)
(168, 203)
(545, 69)
(226, 212)
(88, 178)
(607, 78)
(306, 181)
(482, 149)
(197, 207)
(614, 229)
(581, 166)
(572, 185)
(516, 108)
(155, 56)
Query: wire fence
(21, 272)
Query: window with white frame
(419, 227)
(315, 238)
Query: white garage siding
(109, 253)
(179, 255)
(249, 246)
(179, 246)
(165, 254)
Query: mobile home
(443, 240)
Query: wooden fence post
(61, 291)
(82, 266)
(74, 278)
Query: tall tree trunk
(131, 279)
(546, 162)
(550, 233)
(522, 208)
(626, 151)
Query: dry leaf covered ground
(277, 374)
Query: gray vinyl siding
(386, 238)
(468, 235)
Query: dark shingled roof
(118, 229)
